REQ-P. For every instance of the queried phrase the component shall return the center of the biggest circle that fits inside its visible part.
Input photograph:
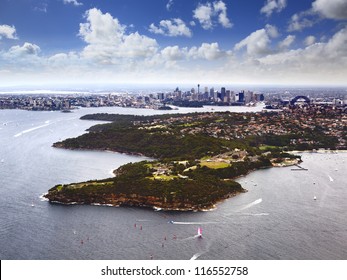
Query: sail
(199, 231)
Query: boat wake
(258, 201)
(192, 223)
(197, 255)
(196, 236)
(331, 179)
(255, 214)
(32, 129)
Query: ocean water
(278, 218)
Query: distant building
(161, 96)
(212, 93)
(232, 96)
(227, 96)
(248, 97)
(241, 96)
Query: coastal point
(198, 155)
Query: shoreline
(158, 207)
(150, 206)
(59, 146)
(203, 188)
(319, 151)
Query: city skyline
(267, 42)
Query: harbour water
(278, 218)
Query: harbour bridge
(295, 99)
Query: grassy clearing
(93, 184)
(190, 168)
(205, 158)
(215, 164)
(163, 177)
(267, 147)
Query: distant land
(167, 98)
(197, 155)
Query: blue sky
(270, 42)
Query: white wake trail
(197, 255)
(192, 223)
(31, 129)
(258, 201)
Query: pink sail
(199, 231)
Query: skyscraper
(241, 96)
(222, 93)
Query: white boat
(199, 232)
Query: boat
(66, 111)
(314, 198)
(300, 168)
(199, 232)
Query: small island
(197, 156)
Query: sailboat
(199, 232)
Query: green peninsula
(197, 155)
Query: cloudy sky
(270, 42)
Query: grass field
(214, 164)
(267, 147)
(163, 177)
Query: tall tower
(198, 89)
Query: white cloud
(330, 9)
(173, 53)
(287, 42)
(221, 9)
(62, 58)
(101, 28)
(309, 40)
(205, 14)
(172, 28)
(258, 42)
(169, 5)
(73, 2)
(136, 45)
(333, 9)
(271, 6)
(336, 47)
(27, 49)
(271, 31)
(301, 21)
(8, 32)
(206, 51)
(320, 62)
(42, 7)
(108, 41)
(22, 58)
